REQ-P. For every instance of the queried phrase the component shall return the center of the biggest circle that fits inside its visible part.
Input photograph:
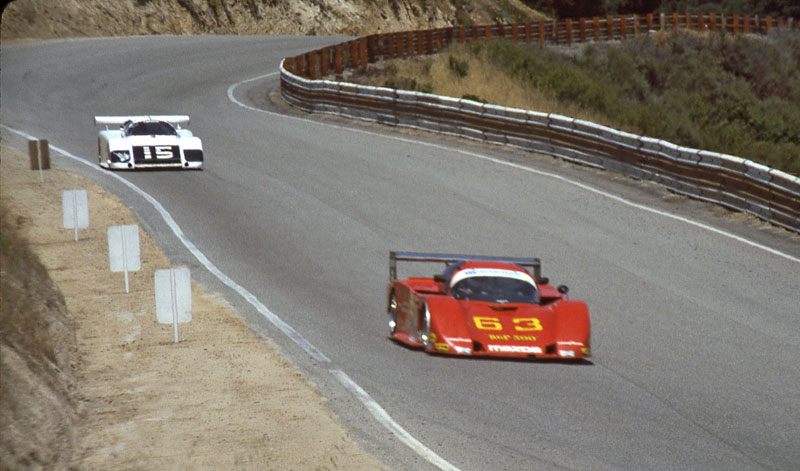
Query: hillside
(42, 19)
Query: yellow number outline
(529, 324)
(487, 323)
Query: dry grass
(458, 73)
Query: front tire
(425, 328)
(392, 311)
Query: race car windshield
(494, 289)
(151, 128)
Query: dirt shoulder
(221, 398)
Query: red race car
(485, 306)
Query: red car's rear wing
(529, 263)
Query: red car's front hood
(521, 328)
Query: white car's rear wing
(177, 120)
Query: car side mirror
(439, 278)
(563, 289)
(544, 281)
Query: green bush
(735, 95)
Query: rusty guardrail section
(736, 183)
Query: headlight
(120, 156)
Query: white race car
(131, 142)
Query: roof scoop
(503, 307)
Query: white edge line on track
(386, 420)
(371, 405)
(375, 409)
(515, 166)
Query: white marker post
(75, 204)
(123, 250)
(173, 297)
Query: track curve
(695, 334)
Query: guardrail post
(337, 59)
(568, 28)
(409, 43)
(768, 24)
(311, 65)
(582, 27)
(399, 45)
(609, 28)
(390, 45)
(44, 153)
(488, 33)
(354, 54)
(712, 21)
(371, 49)
(514, 32)
(362, 50)
(596, 28)
(462, 34)
(429, 41)
(623, 32)
(325, 63)
(541, 32)
(33, 153)
(649, 20)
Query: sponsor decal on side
(457, 339)
(514, 349)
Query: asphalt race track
(695, 333)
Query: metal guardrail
(735, 183)
(357, 53)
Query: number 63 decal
(521, 324)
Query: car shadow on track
(531, 359)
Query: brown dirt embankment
(91, 381)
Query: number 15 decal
(521, 324)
